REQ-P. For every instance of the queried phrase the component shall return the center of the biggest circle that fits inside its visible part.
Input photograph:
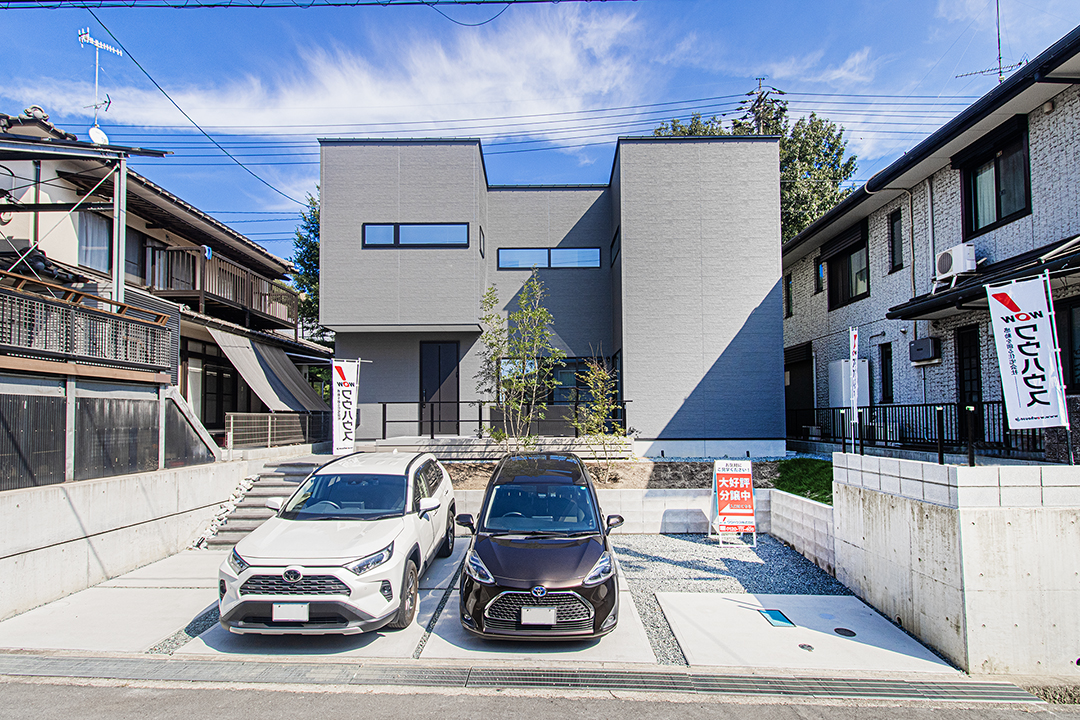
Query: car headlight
(374, 560)
(474, 568)
(601, 571)
(237, 563)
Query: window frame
(615, 248)
(835, 302)
(820, 274)
(789, 303)
(896, 241)
(992, 147)
(548, 265)
(397, 244)
(888, 376)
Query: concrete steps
(278, 480)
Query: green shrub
(807, 477)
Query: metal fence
(62, 330)
(266, 430)
(918, 426)
(470, 417)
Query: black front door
(969, 381)
(439, 388)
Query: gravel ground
(695, 563)
(194, 629)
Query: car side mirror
(614, 521)
(428, 504)
(466, 520)
(275, 503)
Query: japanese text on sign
(733, 497)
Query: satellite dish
(98, 136)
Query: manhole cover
(844, 631)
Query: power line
(174, 103)
(256, 4)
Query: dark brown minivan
(540, 565)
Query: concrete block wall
(60, 539)
(977, 562)
(804, 524)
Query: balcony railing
(917, 427)
(267, 430)
(67, 328)
(186, 273)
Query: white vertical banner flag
(1024, 333)
(853, 336)
(346, 376)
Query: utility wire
(197, 126)
(458, 22)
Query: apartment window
(616, 246)
(896, 242)
(885, 350)
(525, 258)
(135, 257)
(481, 242)
(819, 276)
(995, 176)
(849, 276)
(788, 302)
(416, 235)
(95, 241)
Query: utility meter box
(927, 349)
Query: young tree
(812, 162)
(593, 419)
(305, 260)
(517, 363)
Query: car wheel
(410, 589)
(447, 547)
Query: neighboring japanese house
(991, 196)
(107, 330)
(671, 270)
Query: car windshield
(540, 507)
(347, 497)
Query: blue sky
(547, 87)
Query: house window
(416, 235)
(885, 350)
(481, 242)
(525, 258)
(819, 276)
(896, 242)
(995, 177)
(135, 257)
(95, 241)
(849, 276)
(788, 310)
(1068, 326)
(616, 246)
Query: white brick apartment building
(1004, 176)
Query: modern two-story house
(991, 196)
(671, 270)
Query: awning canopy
(269, 373)
(1061, 259)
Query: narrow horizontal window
(515, 258)
(416, 235)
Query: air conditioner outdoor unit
(956, 260)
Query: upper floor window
(788, 301)
(896, 242)
(995, 176)
(848, 265)
(819, 276)
(616, 245)
(95, 241)
(416, 235)
(525, 258)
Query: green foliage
(806, 477)
(593, 420)
(517, 361)
(812, 162)
(305, 260)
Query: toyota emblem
(539, 591)
(292, 575)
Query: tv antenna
(1000, 69)
(96, 133)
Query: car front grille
(310, 585)
(572, 613)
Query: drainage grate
(313, 673)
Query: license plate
(290, 612)
(538, 616)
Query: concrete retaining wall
(981, 563)
(60, 539)
(806, 525)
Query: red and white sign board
(346, 376)
(733, 497)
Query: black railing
(470, 417)
(984, 424)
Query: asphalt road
(49, 700)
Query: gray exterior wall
(1054, 160)
(701, 309)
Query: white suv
(345, 552)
